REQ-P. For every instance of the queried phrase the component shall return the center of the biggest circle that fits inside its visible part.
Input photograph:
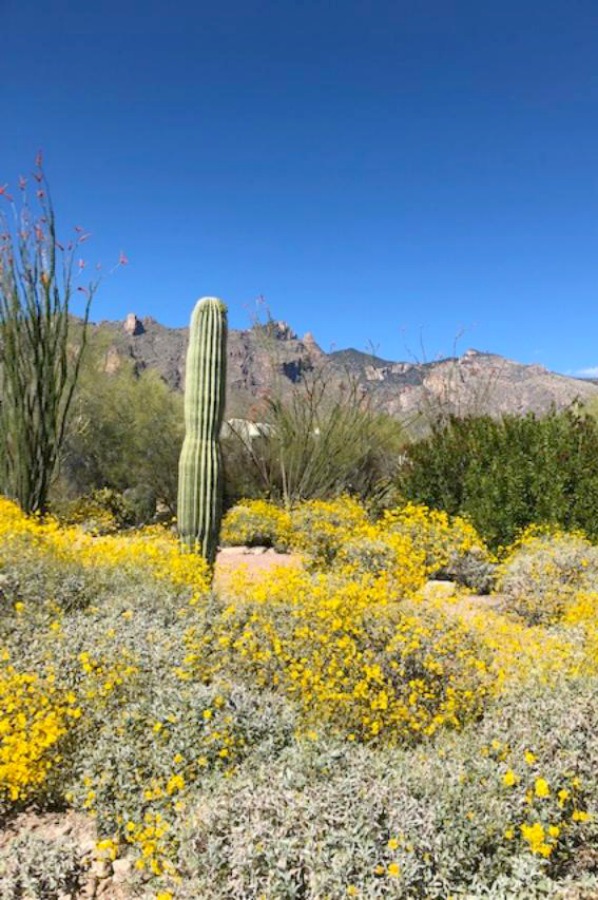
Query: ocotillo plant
(40, 345)
(200, 469)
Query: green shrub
(505, 474)
(112, 440)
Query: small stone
(101, 868)
(122, 869)
(439, 589)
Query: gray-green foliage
(323, 818)
(199, 508)
(541, 578)
(37, 869)
(39, 362)
(299, 815)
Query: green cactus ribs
(200, 467)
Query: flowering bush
(305, 733)
(452, 547)
(36, 717)
(256, 523)
(544, 570)
(501, 809)
(348, 654)
(318, 527)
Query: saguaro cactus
(200, 468)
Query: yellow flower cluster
(150, 550)
(518, 651)
(256, 522)
(151, 839)
(440, 537)
(34, 717)
(347, 652)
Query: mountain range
(271, 358)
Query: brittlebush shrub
(36, 718)
(371, 667)
(305, 734)
(34, 867)
(503, 809)
(543, 572)
(318, 527)
(452, 547)
(256, 523)
(370, 549)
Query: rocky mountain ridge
(272, 358)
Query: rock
(101, 868)
(439, 589)
(113, 361)
(478, 382)
(373, 373)
(122, 869)
(133, 325)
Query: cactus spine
(200, 468)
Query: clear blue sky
(383, 173)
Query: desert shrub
(153, 551)
(543, 572)
(103, 511)
(140, 500)
(369, 549)
(177, 735)
(507, 474)
(349, 654)
(319, 527)
(35, 720)
(325, 435)
(451, 545)
(305, 734)
(112, 440)
(514, 816)
(256, 523)
(38, 869)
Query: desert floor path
(256, 561)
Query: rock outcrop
(271, 359)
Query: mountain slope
(272, 359)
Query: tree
(39, 362)
(125, 430)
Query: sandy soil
(255, 560)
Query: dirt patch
(255, 561)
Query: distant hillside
(272, 357)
